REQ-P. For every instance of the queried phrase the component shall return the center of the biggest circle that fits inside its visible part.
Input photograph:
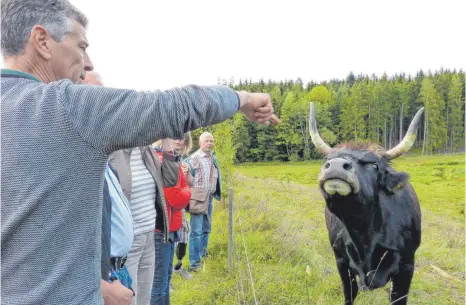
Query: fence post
(230, 229)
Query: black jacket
(106, 230)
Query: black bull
(372, 214)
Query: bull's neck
(360, 219)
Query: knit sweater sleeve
(111, 119)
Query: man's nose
(88, 66)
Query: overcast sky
(161, 44)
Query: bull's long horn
(316, 139)
(408, 141)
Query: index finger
(275, 119)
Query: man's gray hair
(204, 135)
(19, 16)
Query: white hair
(205, 135)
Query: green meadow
(281, 249)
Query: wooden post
(222, 202)
(230, 229)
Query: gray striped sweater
(55, 140)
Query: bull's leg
(401, 283)
(348, 280)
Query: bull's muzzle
(337, 176)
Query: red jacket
(177, 194)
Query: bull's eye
(373, 166)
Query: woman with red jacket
(177, 195)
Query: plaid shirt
(203, 166)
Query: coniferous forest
(360, 107)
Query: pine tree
(436, 133)
(456, 113)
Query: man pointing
(56, 138)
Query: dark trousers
(180, 252)
(164, 252)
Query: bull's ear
(394, 180)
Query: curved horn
(408, 141)
(316, 139)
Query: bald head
(206, 142)
(93, 78)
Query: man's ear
(394, 180)
(41, 41)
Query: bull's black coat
(375, 232)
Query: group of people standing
(146, 196)
(90, 209)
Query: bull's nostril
(347, 166)
(327, 164)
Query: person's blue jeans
(123, 276)
(201, 226)
(160, 293)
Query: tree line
(364, 108)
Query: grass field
(279, 224)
